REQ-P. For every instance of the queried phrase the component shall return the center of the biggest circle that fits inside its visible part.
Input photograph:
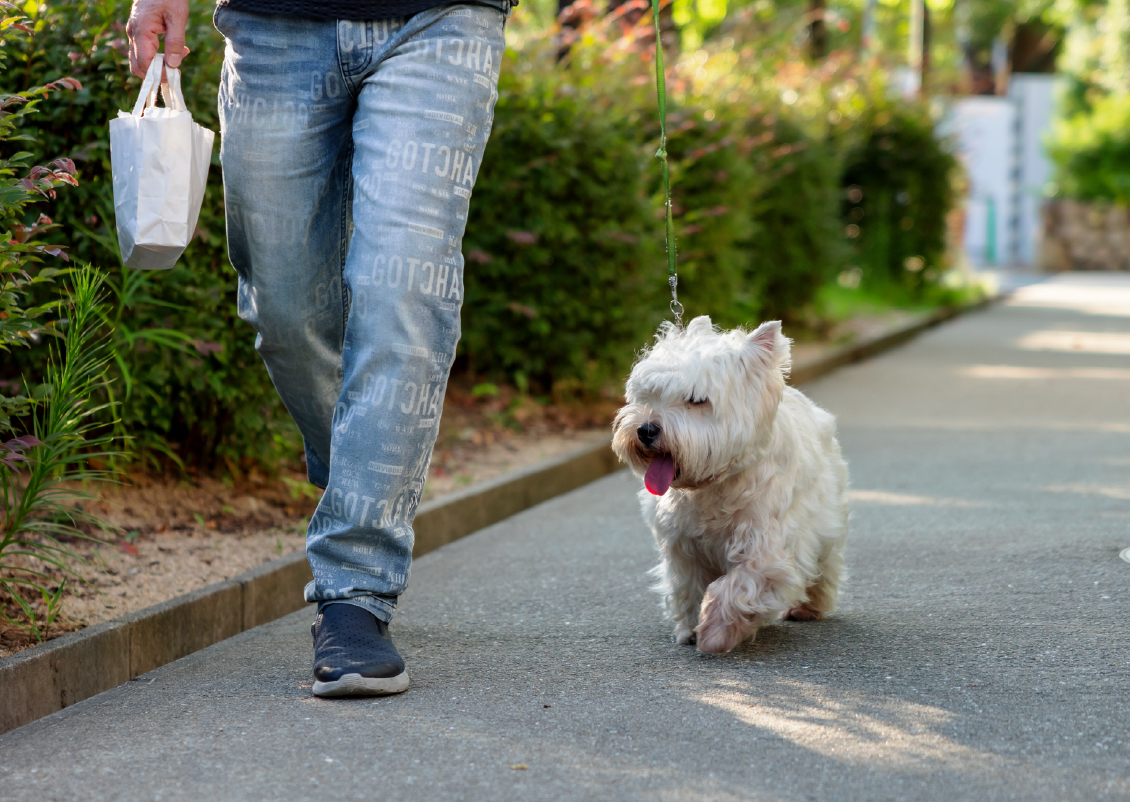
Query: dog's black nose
(648, 434)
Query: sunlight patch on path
(1093, 294)
(1079, 342)
(996, 425)
(1018, 372)
(1120, 493)
(885, 498)
(854, 729)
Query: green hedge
(799, 245)
(566, 276)
(897, 191)
(559, 242)
(1091, 151)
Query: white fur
(754, 526)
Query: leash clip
(676, 307)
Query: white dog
(745, 486)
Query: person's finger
(176, 19)
(133, 60)
(142, 43)
(164, 74)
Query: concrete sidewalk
(981, 651)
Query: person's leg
(424, 111)
(286, 116)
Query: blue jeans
(349, 152)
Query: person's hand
(148, 19)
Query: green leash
(661, 154)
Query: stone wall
(1082, 235)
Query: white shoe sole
(356, 685)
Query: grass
(838, 303)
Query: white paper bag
(160, 161)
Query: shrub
(558, 246)
(754, 190)
(898, 188)
(757, 211)
(798, 245)
(1091, 151)
(713, 189)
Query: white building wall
(1000, 142)
(983, 128)
(1034, 96)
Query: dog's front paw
(718, 638)
(804, 612)
(714, 634)
(684, 635)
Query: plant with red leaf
(21, 185)
(15, 448)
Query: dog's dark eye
(698, 402)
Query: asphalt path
(980, 651)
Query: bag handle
(170, 92)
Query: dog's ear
(700, 325)
(767, 345)
(764, 337)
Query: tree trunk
(817, 31)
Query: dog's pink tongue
(660, 474)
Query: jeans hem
(379, 606)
